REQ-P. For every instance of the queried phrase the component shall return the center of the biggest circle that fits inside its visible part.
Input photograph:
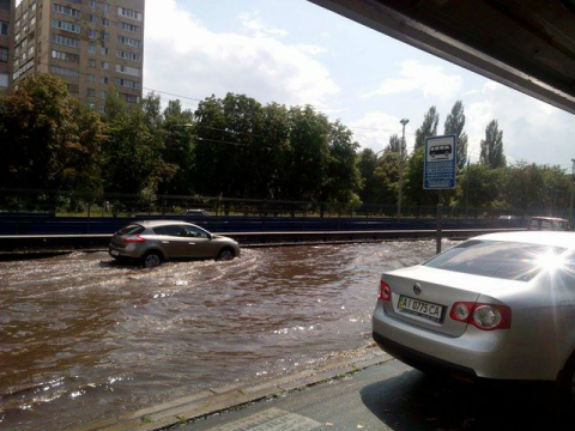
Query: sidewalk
(370, 394)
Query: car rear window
(132, 229)
(499, 259)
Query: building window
(66, 25)
(73, 88)
(105, 22)
(3, 54)
(66, 10)
(92, 63)
(3, 27)
(65, 56)
(128, 55)
(130, 13)
(132, 71)
(103, 94)
(93, 19)
(104, 79)
(104, 50)
(92, 48)
(3, 80)
(129, 27)
(91, 78)
(135, 43)
(66, 41)
(56, 70)
(130, 98)
(127, 83)
(91, 92)
(104, 65)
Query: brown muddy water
(82, 337)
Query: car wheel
(226, 254)
(152, 259)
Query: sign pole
(439, 173)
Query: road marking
(272, 419)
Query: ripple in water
(82, 330)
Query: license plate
(425, 309)
(114, 252)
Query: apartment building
(95, 46)
(5, 31)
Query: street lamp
(403, 122)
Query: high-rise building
(5, 32)
(95, 46)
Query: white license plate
(114, 252)
(425, 309)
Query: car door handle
(165, 242)
(192, 243)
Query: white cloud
(532, 130)
(430, 80)
(187, 58)
(311, 49)
(374, 129)
(252, 21)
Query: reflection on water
(80, 330)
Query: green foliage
(47, 139)
(492, 146)
(236, 147)
(454, 124)
(479, 186)
(428, 128)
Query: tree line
(236, 147)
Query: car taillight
(483, 316)
(133, 239)
(384, 291)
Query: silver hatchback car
(498, 306)
(154, 241)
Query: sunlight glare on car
(550, 261)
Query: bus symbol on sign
(439, 163)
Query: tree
(428, 127)
(308, 154)
(178, 136)
(479, 186)
(133, 151)
(454, 124)
(343, 180)
(48, 140)
(367, 163)
(492, 147)
(394, 145)
(524, 187)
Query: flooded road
(82, 337)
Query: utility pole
(403, 122)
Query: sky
(294, 52)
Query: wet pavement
(79, 330)
(393, 396)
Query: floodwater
(82, 337)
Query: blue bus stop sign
(439, 162)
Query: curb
(215, 400)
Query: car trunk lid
(418, 292)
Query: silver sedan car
(498, 306)
(154, 241)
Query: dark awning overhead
(526, 44)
